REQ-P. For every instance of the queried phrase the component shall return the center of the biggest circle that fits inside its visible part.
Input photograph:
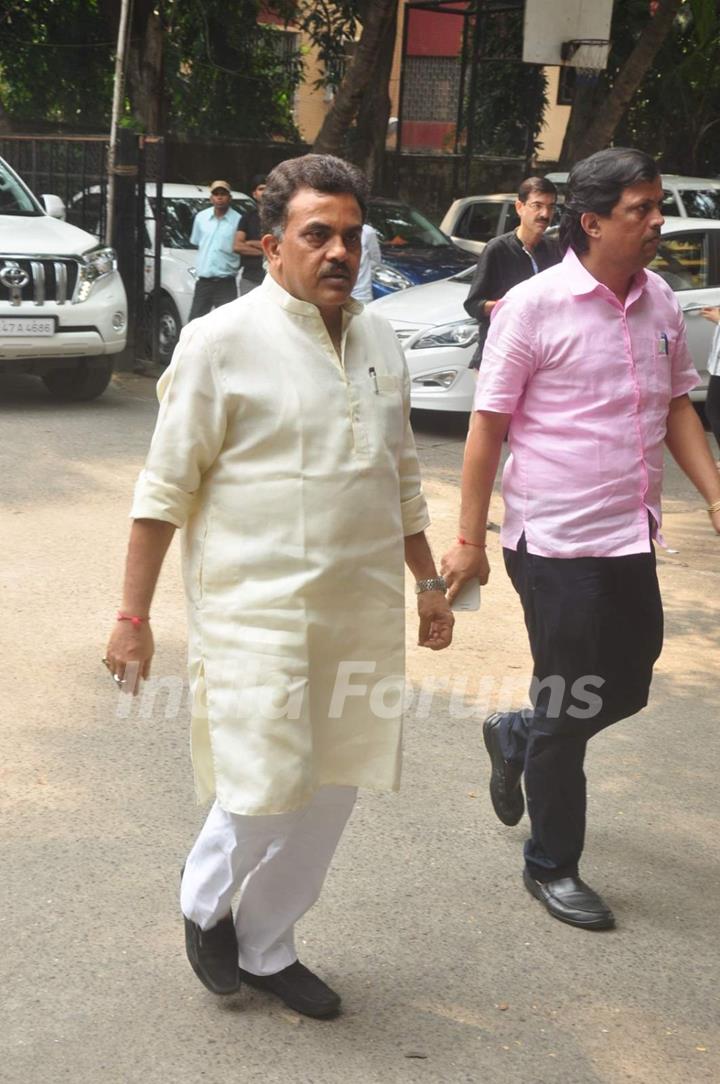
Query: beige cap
(220, 184)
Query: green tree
(55, 62)
(509, 97)
(661, 89)
(226, 74)
(199, 67)
(675, 114)
(223, 73)
(638, 32)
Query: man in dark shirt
(247, 239)
(513, 257)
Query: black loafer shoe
(298, 988)
(571, 900)
(213, 955)
(505, 791)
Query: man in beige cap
(213, 233)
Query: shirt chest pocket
(387, 384)
(384, 403)
(656, 362)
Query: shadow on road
(442, 424)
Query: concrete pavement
(449, 971)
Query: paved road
(449, 971)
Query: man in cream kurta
(283, 450)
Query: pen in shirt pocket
(373, 377)
(663, 344)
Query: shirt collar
(582, 282)
(210, 212)
(302, 308)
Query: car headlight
(390, 278)
(436, 380)
(460, 333)
(95, 264)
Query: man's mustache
(335, 270)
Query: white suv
(63, 310)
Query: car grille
(47, 280)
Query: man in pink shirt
(586, 368)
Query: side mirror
(54, 206)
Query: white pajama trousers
(277, 863)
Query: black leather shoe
(298, 988)
(571, 900)
(505, 791)
(213, 955)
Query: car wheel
(79, 383)
(169, 328)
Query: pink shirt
(588, 382)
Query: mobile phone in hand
(468, 597)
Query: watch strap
(437, 583)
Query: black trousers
(211, 293)
(595, 626)
(251, 279)
(712, 407)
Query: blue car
(413, 250)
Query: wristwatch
(435, 584)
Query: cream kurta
(295, 478)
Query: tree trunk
(588, 99)
(601, 130)
(145, 68)
(361, 76)
(368, 150)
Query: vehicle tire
(79, 383)
(169, 328)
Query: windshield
(400, 226)
(179, 212)
(14, 198)
(702, 204)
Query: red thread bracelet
(465, 542)
(137, 621)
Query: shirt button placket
(359, 429)
(638, 424)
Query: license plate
(27, 325)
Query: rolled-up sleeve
(189, 432)
(509, 358)
(413, 506)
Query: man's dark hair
(256, 180)
(535, 184)
(596, 185)
(322, 172)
